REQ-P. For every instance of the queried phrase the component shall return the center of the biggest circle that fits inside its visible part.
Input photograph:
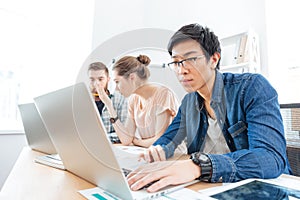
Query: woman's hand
(153, 154)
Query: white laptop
(80, 138)
(36, 133)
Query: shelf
(240, 53)
(233, 66)
(240, 68)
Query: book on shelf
(243, 53)
(240, 53)
(52, 160)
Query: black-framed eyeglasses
(186, 63)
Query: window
(42, 49)
(283, 48)
(13, 39)
(9, 98)
(284, 69)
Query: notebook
(35, 131)
(82, 142)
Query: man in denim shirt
(232, 122)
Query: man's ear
(108, 79)
(214, 59)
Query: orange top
(144, 113)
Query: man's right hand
(153, 154)
(162, 174)
(103, 95)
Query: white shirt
(214, 142)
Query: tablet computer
(257, 189)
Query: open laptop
(82, 143)
(36, 133)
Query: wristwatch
(204, 162)
(113, 120)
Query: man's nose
(181, 69)
(96, 82)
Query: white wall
(225, 18)
(10, 147)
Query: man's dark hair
(209, 42)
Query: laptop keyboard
(127, 171)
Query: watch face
(204, 158)
(113, 120)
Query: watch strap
(205, 164)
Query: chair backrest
(291, 120)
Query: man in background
(99, 75)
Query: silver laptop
(80, 138)
(36, 133)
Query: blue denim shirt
(247, 110)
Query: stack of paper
(50, 160)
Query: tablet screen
(257, 190)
